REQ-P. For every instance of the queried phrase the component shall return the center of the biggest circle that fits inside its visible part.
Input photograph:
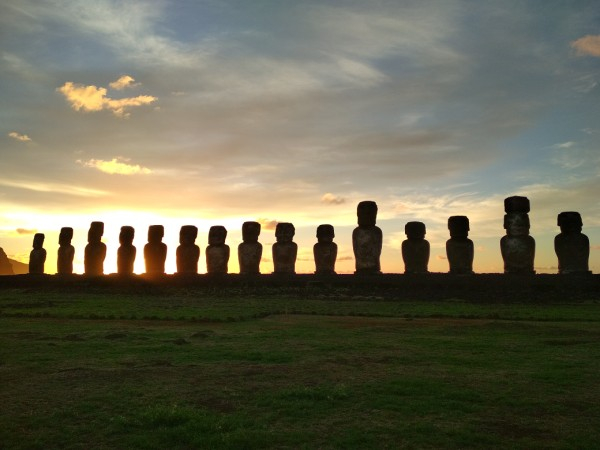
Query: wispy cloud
(332, 199)
(116, 166)
(19, 137)
(587, 46)
(93, 98)
(25, 231)
(126, 81)
(37, 186)
(568, 144)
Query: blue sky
(217, 112)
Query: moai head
(38, 240)
(217, 235)
(188, 235)
(96, 231)
(126, 235)
(284, 232)
(516, 204)
(516, 224)
(325, 234)
(250, 231)
(570, 222)
(155, 233)
(65, 236)
(367, 213)
(458, 226)
(415, 230)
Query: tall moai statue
(325, 250)
(459, 248)
(415, 249)
(250, 250)
(66, 252)
(95, 250)
(155, 251)
(285, 250)
(6, 267)
(126, 252)
(367, 239)
(518, 247)
(217, 252)
(37, 257)
(188, 253)
(571, 246)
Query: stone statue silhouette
(217, 252)
(517, 247)
(155, 251)
(37, 257)
(459, 248)
(6, 267)
(415, 249)
(126, 252)
(66, 252)
(188, 253)
(325, 250)
(367, 239)
(250, 250)
(284, 250)
(95, 250)
(572, 247)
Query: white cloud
(126, 81)
(19, 137)
(568, 144)
(116, 166)
(58, 188)
(587, 46)
(93, 98)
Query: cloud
(267, 224)
(116, 166)
(93, 98)
(332, 199)
(564, 145)
(587, 46)
(19, 137)
(125, 81)
(68, 189)
(25, 231)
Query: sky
(192, 112)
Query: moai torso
(572, 247)
(325, 250)
(367, 240)
(217, 252)
(188, 253)
(95, 250)
(66, 252)
(459, 248)
(250, 250)
(284, 250)
(517, 247)
(155, 251)
(415, 249)
(37, 257)
(126, 252)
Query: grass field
(228, 369)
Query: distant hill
(19, 267)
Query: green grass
(227, 370)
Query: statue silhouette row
(517, 247)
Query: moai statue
(5, 265)
(415, 249)
(126, 251)
(37, 257)
(250, 250)
(217, 252)
(571, 246)
(155, 251)
(284, 250)
(95, 250)
(518, 248)
(66, 252)
(367, 239)
(188, 253)
(459, 248)
(325, 250)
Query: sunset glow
(215, 113)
